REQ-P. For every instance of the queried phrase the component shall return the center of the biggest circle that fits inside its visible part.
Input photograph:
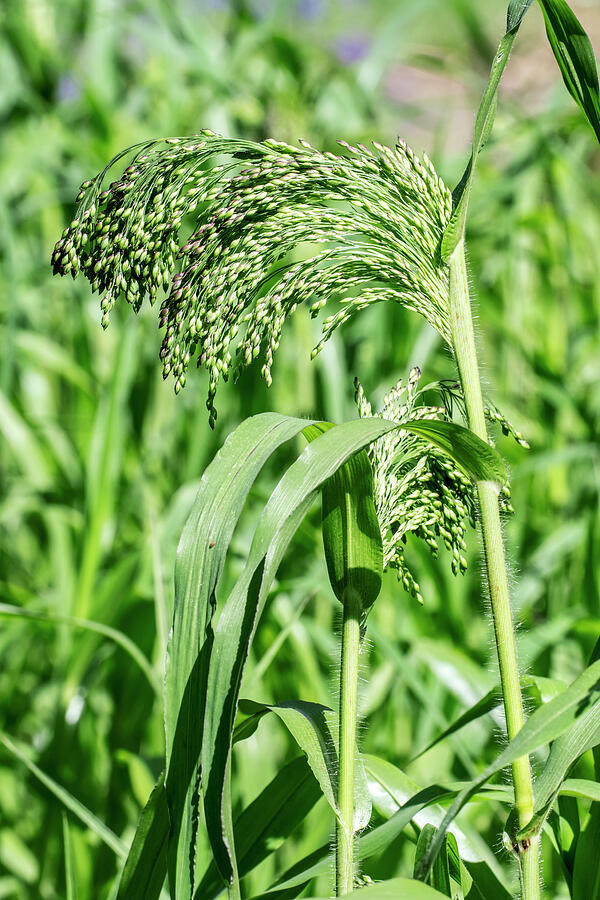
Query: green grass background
(99, 462)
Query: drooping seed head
(269, 226)
(418, 489)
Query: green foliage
(99, 464)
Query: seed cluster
(273, 226)
(418, 489)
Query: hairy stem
(466, 357)
(344, 868)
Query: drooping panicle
(270, 226)
(418, 489)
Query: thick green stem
(344, 868)
(466, 357)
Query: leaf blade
(575, 57)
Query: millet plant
(382, 227)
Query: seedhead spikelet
(373, 220)
(418, 489)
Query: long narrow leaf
(282, 515)
(410, 804)
(484, 121)
(77, 808)
(476, 458)
(200, 558)
(544, 689)
(582, 736)
(547, 723)
(266, 823)
(397, 888)
(146, 864)
(7, 609)
(575, 57)
(309, 726)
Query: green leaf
(391, 789)
(439, 877)
(484, 121)
(281, 517)
(575, 57)
(8, 609)
(586, 865)
(146, 865)
(196, 668)
(200, 558)
(580, 737)
(397, 888)
(545, 725)
(77, 808)
(399, 799)
(308, 725)
(581, 787)
(475, 457)
(516, 11)
(543, 689)
(70, 879)
(268, 821)
(483, 706)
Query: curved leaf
(397, 889)
(547, 723)
(200, 557)
(543, 689)
(146, 864)
(474, 456)
(285, 510)
(575, 57)
(582, 736)
(401, 801)
(484, 121)
(308, 725)
(266, 823)
(67, 799)
(8, 609)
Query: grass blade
(547, 723)
(7, 609)
(200, 559)
(268, 821)
(575, 57)
(582, 736)
(282, 515)
(440, 873)
(398, 887)
(70, 880)
(77, 808)
(484, 121)
(146, 865)
(308, 725)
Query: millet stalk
(344, 863)
(493, 544)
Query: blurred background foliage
(99, 463)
